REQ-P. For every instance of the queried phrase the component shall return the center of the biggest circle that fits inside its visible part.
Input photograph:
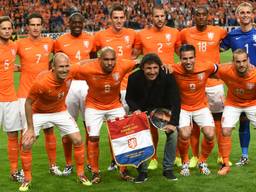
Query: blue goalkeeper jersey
(238, 39)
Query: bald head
(61, 66)
(107, 59)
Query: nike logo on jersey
(237, 38)
(149, 37)
(28, 48)
(66, 45)
(108, 40)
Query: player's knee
(77, 141)
(12, 134)
(209, 133)
(226, 132)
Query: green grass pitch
(240, 179)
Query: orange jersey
(122, 42)
(104, 89)
(163, 42)
(77, 48)
(48, 94)
(7, 61)
(207, 44)
(241, 90)
(34, 58)
(192, 85)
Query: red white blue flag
(131, 139)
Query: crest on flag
(131, 139)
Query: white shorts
(63, 120)
(94, 118)
(231, 115)
(202, 118)
(23, 118)
(216, 98)
(76, 98)
(9, 116)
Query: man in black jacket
(150, 88)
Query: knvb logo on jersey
(61, 95)
(201, 76)
(46, 47)
(127, 39)
(168, 37)
(116, 76)
(210, 35)
(250, 85)
(13, 52)
(86, 44)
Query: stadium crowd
(96, 12)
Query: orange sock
(13, 153)
(79, 158)
(219, 135)
(67, 146)
(86, 145)
(93, 155)
(26, 159)
(207, 147)
(224, 144)
(183, 149)
(154, 133)
(50, 147)
(194, 140)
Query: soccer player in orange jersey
(240, 78)
(46, 103)
(122, 40)
(9, 113)
(191, 77)
(163, 41)
(78, 45)
(34, 52)
(104, 78)
(206, 39)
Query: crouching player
(46, 104)
(240, 79)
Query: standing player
(243, 37)
(163, 41)
(191, 77)
(122, 40)
(78, 45)
(34, 52)
(206, 39)
(46, 103)
(9, 113)
(240, 79)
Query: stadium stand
(96, 12)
